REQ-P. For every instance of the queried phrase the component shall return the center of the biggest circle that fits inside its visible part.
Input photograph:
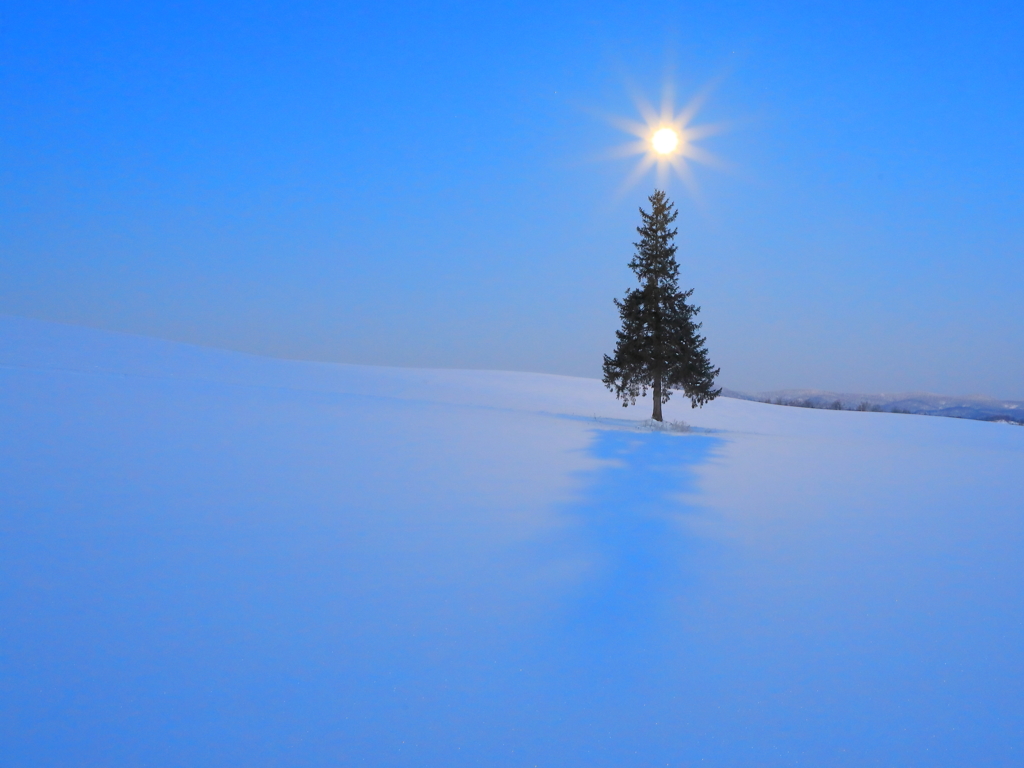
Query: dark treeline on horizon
(865, 406)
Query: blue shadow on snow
(632, 520)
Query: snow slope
(213, 559)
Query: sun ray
(702, 156)
(667, 99)
(638, 129)
(694, 105)
(685, 172)
(644, 107)
(697, 132)
(631, 149)
(642, 167)
(661, 173)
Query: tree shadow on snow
(632, 522)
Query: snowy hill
(213, 559)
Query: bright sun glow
(665, 141)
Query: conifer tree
(659, 347)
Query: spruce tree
(658, 347)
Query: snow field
(209, 558)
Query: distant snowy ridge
(977, 407)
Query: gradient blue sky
(413, 184)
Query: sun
(665, 139)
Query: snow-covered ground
(212, 559)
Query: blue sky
(405, 184)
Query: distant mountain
(975, 407)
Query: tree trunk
(657, 398)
